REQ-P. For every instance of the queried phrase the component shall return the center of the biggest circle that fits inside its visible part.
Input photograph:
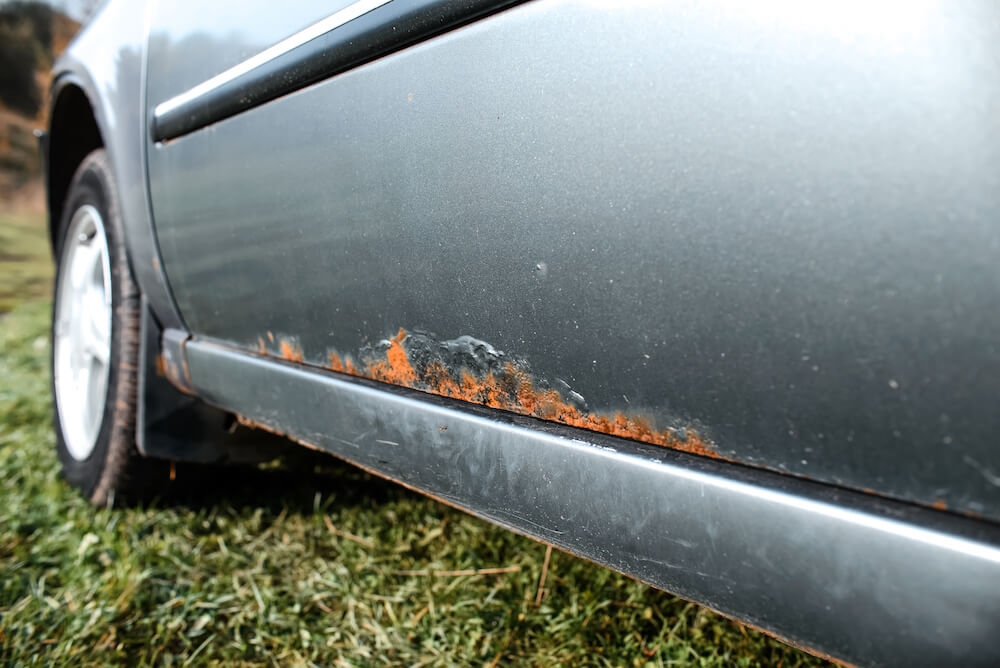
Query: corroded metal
(471, 370)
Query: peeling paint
(471, 370)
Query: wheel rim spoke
(94, 388)
(82, 332)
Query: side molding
(353, 36)
(847, 575)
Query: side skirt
(845, 574)
(174, 424)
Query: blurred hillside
(32, 35)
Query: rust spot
(253, 424)
(172, 373)
(261, 346)
(939, 505)
(396, 367)
(187, 372)
(270, 337)
(290, 351)
(431, 366)
(342, 366)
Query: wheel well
(73, 134)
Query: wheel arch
(74, 132)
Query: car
(707, 293)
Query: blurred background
(32, 35)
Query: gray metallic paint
(106, 61)
(842, 573)
(776, 223)
(191, 42)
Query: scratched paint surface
(472, 370)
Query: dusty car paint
(777, 228)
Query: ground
(307, 562)
(25, 259)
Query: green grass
(245, 569)
(25, 260)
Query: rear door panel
(766, 228)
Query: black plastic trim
(389, 28)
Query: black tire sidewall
(93, 185)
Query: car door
(763, 235)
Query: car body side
(826, 289)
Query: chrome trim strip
(335, 20)
(850, 575)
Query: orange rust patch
(512, 389)
(270, 337)
(336, 364)
(290, 351)
(396, 368)
(939, 505)
(161, 365)
(341, 366)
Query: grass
(25, 260)
(307, 562)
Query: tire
(95, 429)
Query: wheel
(95, 341)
